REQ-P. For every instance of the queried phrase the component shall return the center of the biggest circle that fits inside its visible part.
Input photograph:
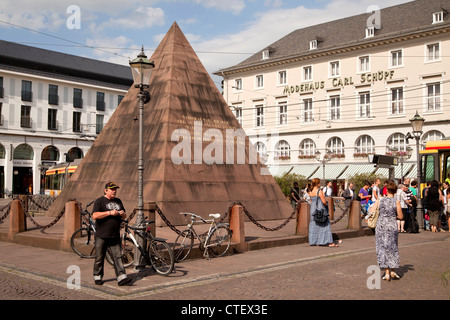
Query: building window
(282, 113)
(364, 64)
(27, 94)
(265, 54)
(370, 32)
(1, 88)
(119, 99)
(283, 150)
(25, 116)
(433, 53)
(334, 69)
(307, 148)
(438, 17)
(261, 149)
(52, 123)
(364, 105)
(396, 58)
(433, 135)
(259, 116)
(397, 142)
(100, 101)
(1, 114)
(238, 84)
(313, 45)
(77, 98)
(238, 115)
(259, 82)
(365, 145)
(76, 124)
(335, 108)
(336, 146)
(434, 97)
(307, 73)
(397, 101)
(282, 77)
(53, 94)
(308, 110)
(99, 123)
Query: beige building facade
(347, 89)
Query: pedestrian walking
(386, 233)
(401, 197)
(295, 195)
(319, 233)
(434, 201)
(108, 212)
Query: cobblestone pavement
(282, 273)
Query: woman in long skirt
(319, 233)
(386, 233)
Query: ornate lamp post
(403, 155)
(417, 125)
(326, 158)
(142, 68)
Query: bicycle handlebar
(137, 228)
(193, 216)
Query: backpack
(372, 214)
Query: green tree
(287, 181)
(358, 179)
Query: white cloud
(141, 18)
(234, 6)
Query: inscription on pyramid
(194, 155)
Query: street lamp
(417, 125)
(141, 68)
(326, 158)
(403, 155)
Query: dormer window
(313, 44)
(438, 17)
(265, 54)
(370, 32)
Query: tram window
(446, 167)
(428, 168)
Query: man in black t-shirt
(107, 213)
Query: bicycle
(154, 252)
(83, 240)
(216, 242)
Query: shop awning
(278, 171)
(305, 170)
(332, 171)
(357, 169)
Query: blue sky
(222, 32)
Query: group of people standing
(397, 213)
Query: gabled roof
(46, 62)
(411, 17)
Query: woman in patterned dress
(319, 233)
(386, 233)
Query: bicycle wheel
(183, 245)
(127, 248)
(218, 241)
(83, 242)
(161, 257)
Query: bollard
(24, 199)
(303, 219)
(354, 216)
(237, 227)
(16, 218)
(149, 213)
(330, 202)
(72, 222)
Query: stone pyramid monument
(189, 163)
